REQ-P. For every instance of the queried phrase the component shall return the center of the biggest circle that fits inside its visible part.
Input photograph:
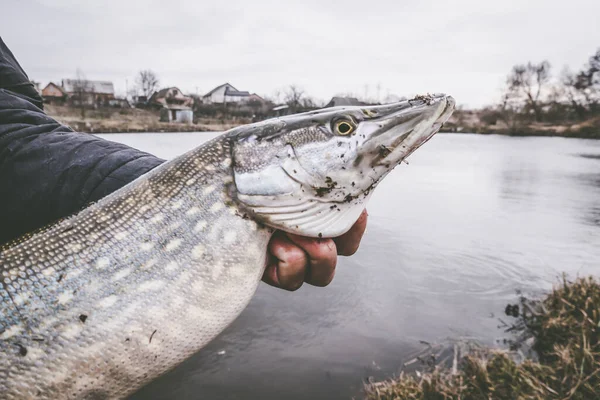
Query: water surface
(451, 237)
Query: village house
(54, 94)
(254, 98)
(226, 93)
(174, 105)
(93, 93)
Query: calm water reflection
(451, 238)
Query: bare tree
(588, 82)
(293, 96)
(530, 93)
(528, 82)
(582, 89)
(574, 91)
(82, 90)
(147, 82)
(594, 67)
(309, 103)
(509, 112)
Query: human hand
(297, 259)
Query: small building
(169, 97)
(175, 113)
(93, 93)
(280, 110)
(140, 101)
(54, 94)
(119, 103)
(174, 105)
(226, 93)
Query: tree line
(532, 95)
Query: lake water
(451, 238)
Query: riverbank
(116, 120)
(119, 120)
(562, 338)
(487, 122)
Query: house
(344, 101)
(174, 105)
(226, 93)
(280, 110)
(170, 96)
(94, 93)
(254, 98)
(54, 94)
(175, 113)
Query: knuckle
(328, 261)
(327, 250)
(296, 257)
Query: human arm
(48, 171)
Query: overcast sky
(465, 48)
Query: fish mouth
(448, 103)
(407, 129)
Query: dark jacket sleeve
(47, 171)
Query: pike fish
(103, 302)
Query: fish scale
(101, 303)
(60, 334)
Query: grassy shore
(563, 332)
(480, 122)
(110, 120)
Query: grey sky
(464, 48)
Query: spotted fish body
(132, 285)
(103, 302)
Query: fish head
(313, 173)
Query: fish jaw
(316, 183)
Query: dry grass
(108, 120)
(564, 329)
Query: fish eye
(344, 127)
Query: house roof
(157, 97)
(219, 87)
(99, 87)
(160, 93)
(163, 92)
(257, 96)
(56, 86)
(240, 93)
